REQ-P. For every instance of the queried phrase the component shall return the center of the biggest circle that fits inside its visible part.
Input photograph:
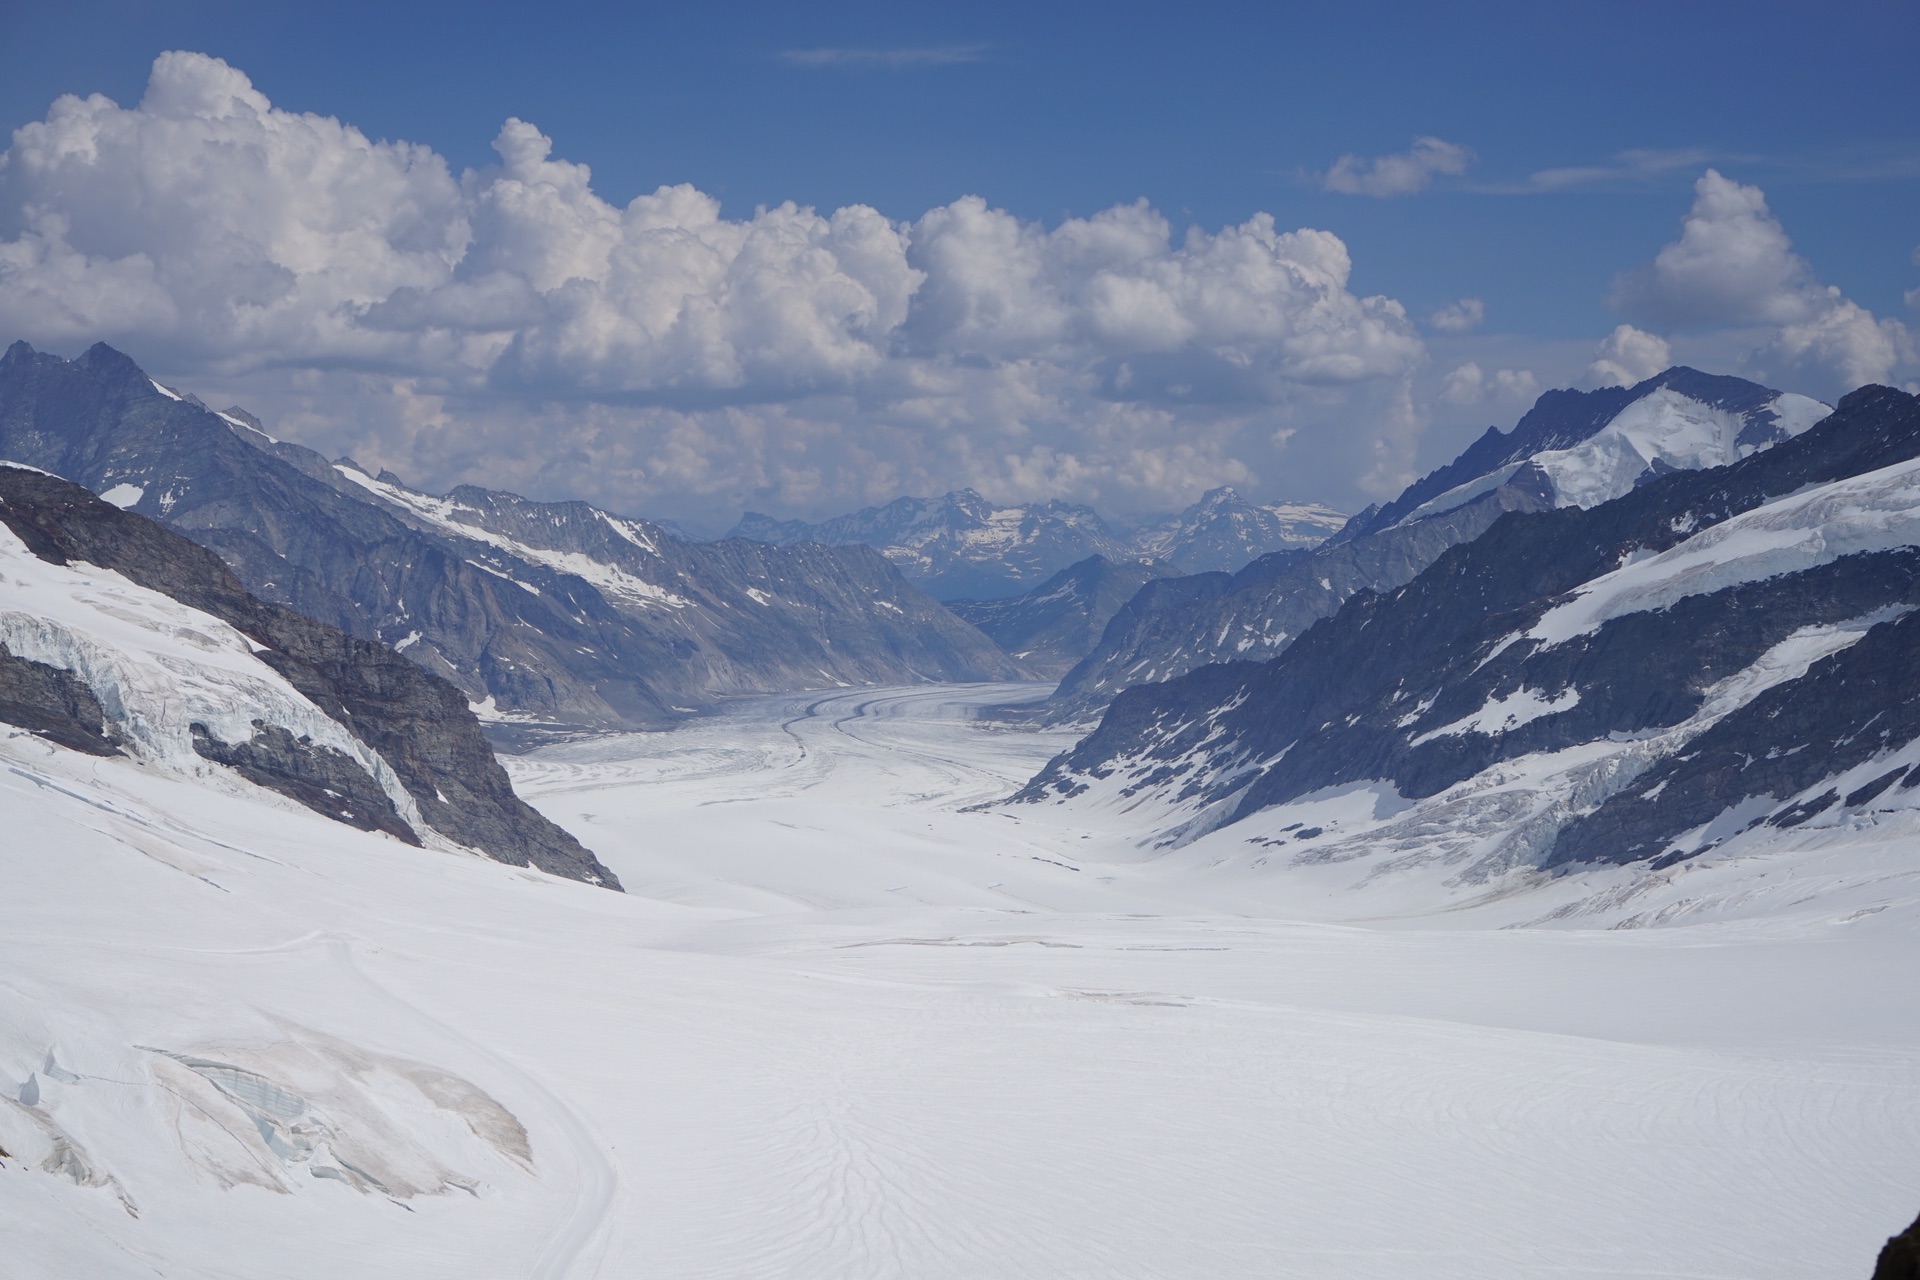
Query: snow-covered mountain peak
(963, 546)
(1223, 531)
(1662, 431)
(1713, 659)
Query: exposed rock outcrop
(1900, 1258)
(52, 703)
(415, 721)
(320, 777)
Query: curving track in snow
(849, 1025)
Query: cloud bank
(1734, 266)
(513, 325)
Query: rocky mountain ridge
(593, 620)
(961, 546)
(1052, 627)
(147, 644)
(1573, 448)
(1716, 658)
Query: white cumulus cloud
(1734, 266)
(1467, 384)
(514, 326)
(1400, 174)
(208, 220)
(1463, 316)
(1628, 356)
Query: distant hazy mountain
(1712, 660)
(960, 546)
(1053, 626)
(541, 612)
(1223, 531)
(118, 636)
(1574, 448)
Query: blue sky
(1568, 140)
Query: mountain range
(1709, 660)
(541, 613)
(1054, 626)
(1573, 448)
(961, 546)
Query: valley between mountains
(841, 1025)
(1516, 879)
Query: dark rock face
(1054, 625)
(1178, 624)
(446, 581)
(1391, 685)
(1900, 1258)
(1646, 671)
(1848, 709)
(420, 724)
(53, 704)
(327, 781)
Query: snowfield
(847, 1024)
(1662, 431)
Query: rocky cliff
(407, 723)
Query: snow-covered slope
(543, 612)
(1707, 661)
(1572, 449)
(1664, 430)
(844, 1026)
(157, 667)
(1679, 418)
(119, 636)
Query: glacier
(847, 1022)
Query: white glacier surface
(845, 1024)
